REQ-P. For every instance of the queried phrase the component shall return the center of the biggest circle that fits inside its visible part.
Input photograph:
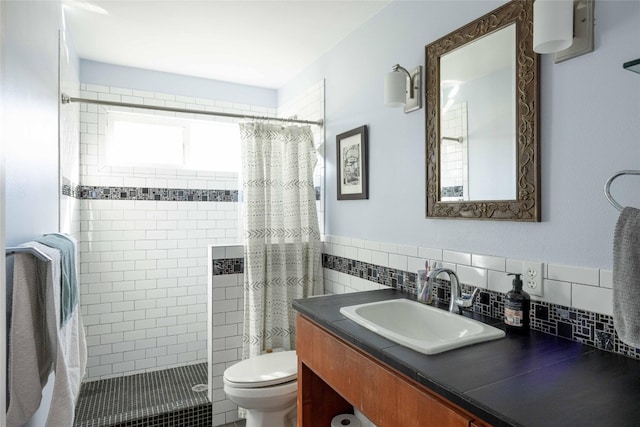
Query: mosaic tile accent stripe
(158, 398)
(228, 266)
(374, 273)
(148, 193)
(586, 327)
(159, 194)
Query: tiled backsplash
(577, 302)
(579, 287)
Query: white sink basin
(420, 327)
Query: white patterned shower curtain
(282, 246)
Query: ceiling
(261, 43)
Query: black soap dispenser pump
(516, 307)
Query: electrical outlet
(532, 277)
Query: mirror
(482, 119)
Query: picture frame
(352, 164)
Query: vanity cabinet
(333, 376)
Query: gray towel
(36, 348)
(69, 282)
(30, 355)
(626, 277)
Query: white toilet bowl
(266, 386)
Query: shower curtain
(282, 246)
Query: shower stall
(158, 334)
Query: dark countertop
(531, 379)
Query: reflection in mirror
(477, 119)
(482, 118)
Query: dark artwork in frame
(352, 164)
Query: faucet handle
(466, 300)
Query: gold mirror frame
(527, 205)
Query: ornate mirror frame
(526, 207)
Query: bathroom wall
(589, 130)
(29, 132)
(99, 73)
(144, 253)
(225, 308)
(3, 300)
(589, 127)
(143, 262)
(579, 287)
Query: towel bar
(607, 186)
(27, 249)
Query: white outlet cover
(532, 278)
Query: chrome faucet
(459, 299)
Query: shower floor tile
(159, 398)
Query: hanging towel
(626, 277)
(69, 281)
(29, 357)
(31, 360)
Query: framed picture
(352, 164)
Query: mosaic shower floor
(159, 398)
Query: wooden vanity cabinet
(333, 376)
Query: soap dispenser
(516, 307)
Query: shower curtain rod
(66, 99)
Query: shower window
(142, 140)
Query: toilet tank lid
(264, 370)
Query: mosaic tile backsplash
(586, 327)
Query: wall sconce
(403, 88)
(563, 27)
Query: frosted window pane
(214, 146)
(145, 143)
(168, 142)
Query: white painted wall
(30, 84)
(29, 134)
(98, 73)
(3, 281)
(589, 129)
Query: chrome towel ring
(607, 186)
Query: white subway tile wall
(143, 264)
(226, 299)
(143, 281)
(580, 287)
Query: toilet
(266, 386)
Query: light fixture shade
(552, 25)
(395, 89)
